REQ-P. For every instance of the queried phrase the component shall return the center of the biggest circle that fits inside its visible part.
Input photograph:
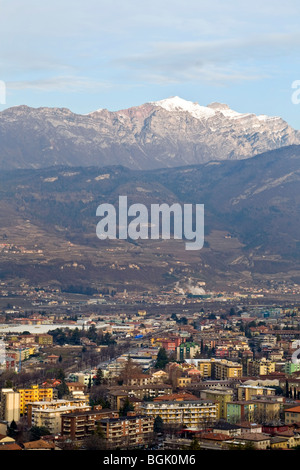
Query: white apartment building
(187, 412)
(48, 413)
(9, 405)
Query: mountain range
(162, 134)
(252, 225)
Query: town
(178, 370)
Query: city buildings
(226, 388)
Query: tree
(62, 390)
(94, 442)
(59, 336)
(126, 407)
(158, 425)
(99, 377)
(128, 371)
(174, 373)
(12, 429)
(90, 383)
(60, 374)
(287, 389)
(278, 390)
(98, 396)
(107, 339)
(174, 317)
(75, 337)
(37, 431)
(147, 398)
(92, 334)
(249, 446)
(195, 445)
(162, 359)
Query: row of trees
(74, 336)
(291, 392)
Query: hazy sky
(91, 54)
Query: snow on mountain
(176, 103)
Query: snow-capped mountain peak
(178, 104)
(175, 103)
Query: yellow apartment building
(183, 382)
(29, 395)
(223, 369)
(219, 369)
(260, 367)
(292, 415)
(246, 392)
(204, 367)
(221, 397)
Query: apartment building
(186, 412)
(205, 368)
(223, 369)
(76, 387)
(49, 413)
(221, 397)
(170, 344)
(35, 393)
(183, 382)
(44, 339)
(125, 432)
(292, 415)
(80, 424)
(9, 405)
(81, 377)
(159, 377)
(246, 392)
(260, 367)
(291, 367)
(238, 411)
(267, 409)
(21, 354)
(187, 351)
(260, 441)
(218, 369)
(139, 379)
(116, 394)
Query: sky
(92, 54)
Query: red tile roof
(13, 446)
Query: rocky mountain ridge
(160, 134)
